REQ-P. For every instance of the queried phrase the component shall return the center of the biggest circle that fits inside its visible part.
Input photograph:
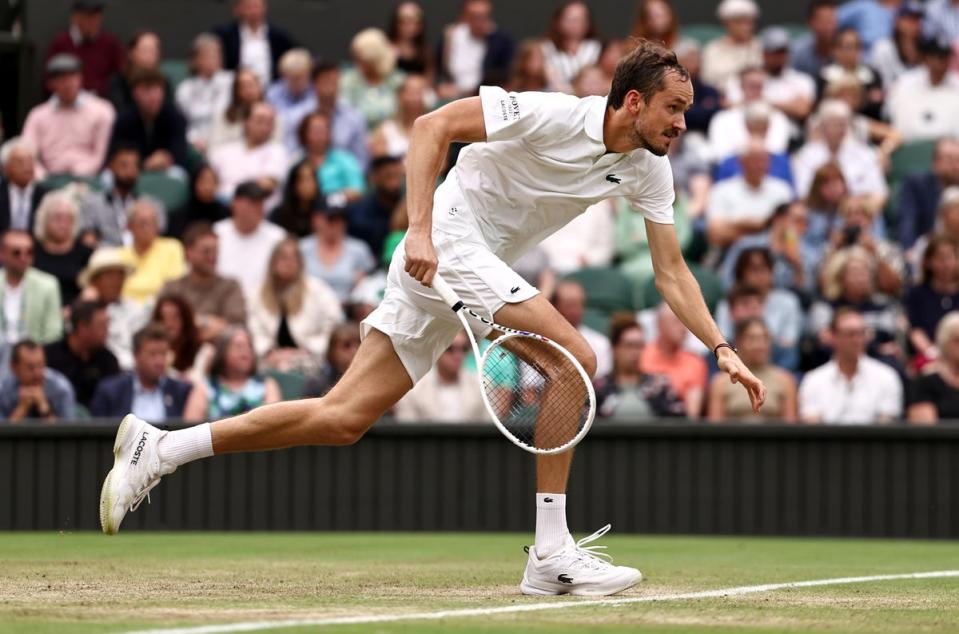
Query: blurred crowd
(195, 245)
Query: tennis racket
(537, 393)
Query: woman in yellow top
(154, 260)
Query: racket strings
(536, 392)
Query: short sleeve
(923, 390)
(656, 196)
(511, 115)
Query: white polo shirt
(544, 162)
(874, 391)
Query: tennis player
(536, 160)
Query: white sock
(186, 445)
(551, 531)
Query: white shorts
(420, 325)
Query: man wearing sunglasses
(29, 298)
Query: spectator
(780, 308)
(626, 394)
(863, 128)
(728, 401)
(347, 126)
(20, 194)
(206, 93)
(859, 163)
(924, 102)
(69, 131)
(571, 42)
(935, 394)
(920, 193)
(58, 252)
(473, 51)
(706, 99)
(407, 34)
(742, 205)
(813, 51)
(529, 72)
(336, 258)
(246, 238)
(250, 41)
(255, 158)
(942, 20)
(32, 390)
(292, 316)
(569, 298)
(726, 57)
(871, 19)
(369, 217)
(153, 125)
(732, 128)
(30, 298)
(851, 388)
(827, 191)
(794, 265)
(339, 173)
(189, 355)
(592, 82)
(228, 124)
(392, 137)
(99, 51)
(204, 206)
(656, 20)
(614, 50)
(686, 371)
(449, 393)
(344, 342)
(936, 295)
(589, 239)
(104, 214)
(370, 86)
(860, 227)
(848, 60)
(143, 56)
(233, 385)
(81, 355)
(147, 392)
(790, 91)
(947, 225)
(292, 96)
(301, 195)
(102, 281)
(893, 56)
(153, 260)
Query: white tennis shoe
(577, 569)
(136, 470)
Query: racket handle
(446, 293)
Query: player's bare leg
(143, 454)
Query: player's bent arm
(430, 139)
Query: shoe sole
(106, 493)
(585, 591)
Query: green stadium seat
(56, 181)
(597, 320)
(608, 290)
(709, 282)
(702, 33)
(172, 192)
(176, 70)
(291, 384)
(795, 30)
(910, 158)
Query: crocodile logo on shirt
(612, 178)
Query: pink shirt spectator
(237, 162)
(70, 139)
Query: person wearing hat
(100, 53)
(247, 238)
(924, 102)
(102, 281)
(791, 91)
(371, 85)
(250, 41)
(725, 57)
(70, 130)
(894, 55)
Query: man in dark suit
(147, 391)
(251, 42)
(919, 194)
(20, 195)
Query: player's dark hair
(151, 332)
(644, 70)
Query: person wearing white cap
(725, 57)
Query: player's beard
(642, 140)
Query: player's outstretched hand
(731, 364)
(420, 257)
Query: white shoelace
(591, 557)
(145, 493)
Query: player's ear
(634, 101)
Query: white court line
(252, 626)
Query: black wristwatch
(724, 345)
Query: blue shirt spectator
(872, 19)
(942, 19)
(33, 390)
(334, 257)
(779, 166)
(347, 126)
(340, 171)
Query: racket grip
(445, 292)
